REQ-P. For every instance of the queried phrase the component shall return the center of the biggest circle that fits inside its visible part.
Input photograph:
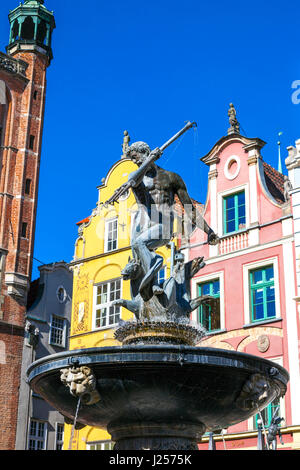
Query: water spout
(264, 429)
(74, 424)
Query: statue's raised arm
(136, 177)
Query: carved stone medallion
(263, 343)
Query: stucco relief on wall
(263, 343)
(237, 340)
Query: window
(57, 331)
(61, 294)
(234, 209)
(104, 445)
(111, 235)
(24, 230)
(106, 314)
(27, 28)
(209, 310)
(31, 142)
(262, 293)
(161, 276)
(41, 32)
(273, 409)
(15, 31)
(59, 441)
(37, 435)
(27, 186)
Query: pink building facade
(251, 275)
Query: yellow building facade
(102, 250)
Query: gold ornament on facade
(81, 304)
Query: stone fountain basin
(197, 388)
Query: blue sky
(148, 67)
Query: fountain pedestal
(156, 436)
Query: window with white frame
(101, 445)
(261, 288)
(106, 314)
(57, 335)
(59, 438)
(233, 210)
(111, 235)
(262, 293)
(37, 435)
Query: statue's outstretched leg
(195, 303)
(143, 247)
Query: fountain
(158, 390)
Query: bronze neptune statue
(155, 190)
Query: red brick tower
(22, 103)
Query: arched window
(15, 31)
(27, 31)
(41, 32)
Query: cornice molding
(248, 144)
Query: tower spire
(31, 27)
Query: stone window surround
(65, 294)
